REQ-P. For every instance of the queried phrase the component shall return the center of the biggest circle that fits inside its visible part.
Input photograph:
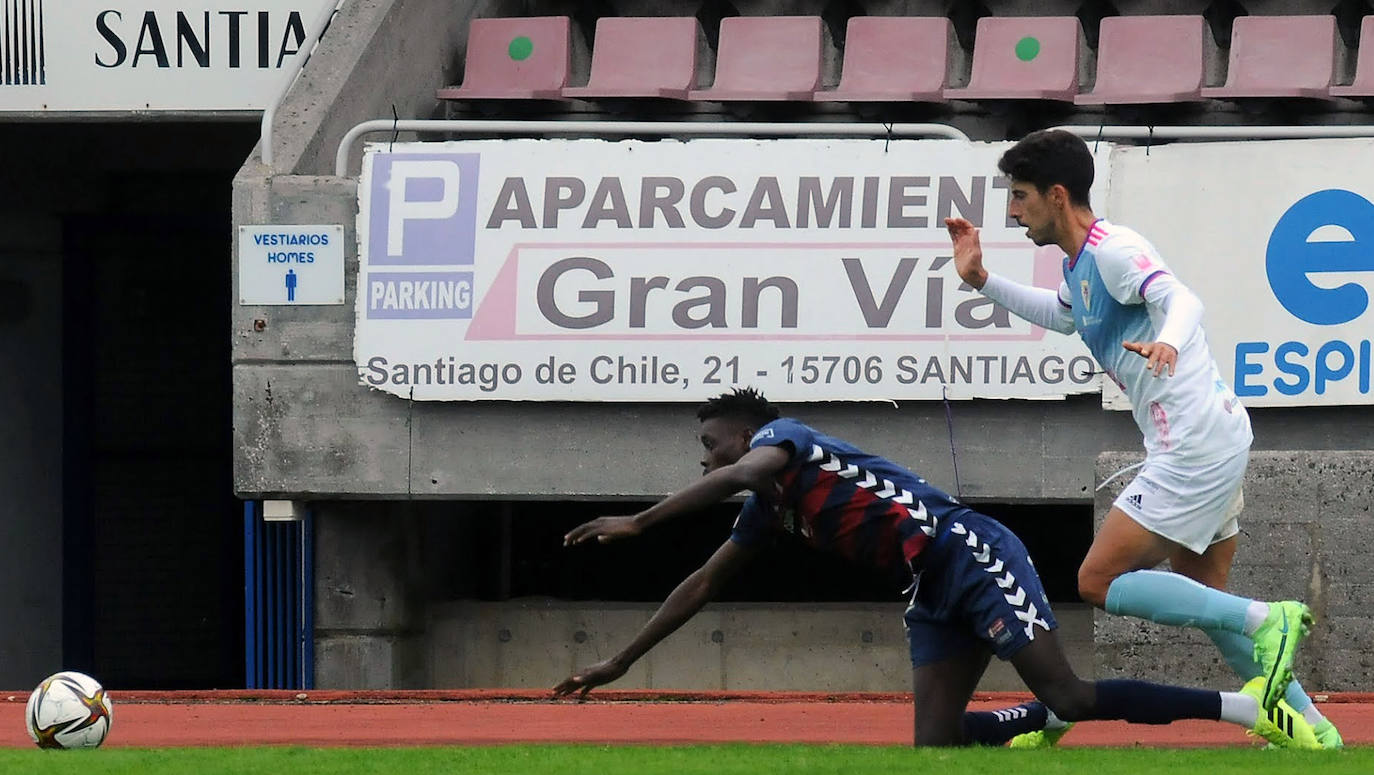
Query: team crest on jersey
(1087, 295)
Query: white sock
(1255, 614)
(1312, 715)
(1052, 721)
(1239, 708)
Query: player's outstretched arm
(1040, 306)
(694, 592)
(968, 251)
(754, 471)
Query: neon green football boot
(1328, 735)
(1276, 642)
(1044, 738)
(1282, 726)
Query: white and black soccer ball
(69, 710)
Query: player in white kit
(1144, 327)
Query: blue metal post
(250, 596)
(308, 601)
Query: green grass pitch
(744, 759)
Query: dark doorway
(153, 567)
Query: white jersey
(1189, 419)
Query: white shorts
(1194, 507)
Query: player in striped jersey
(974, 590)
(1144, 327)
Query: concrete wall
(385, 618)
(31, 456)
(370, 608)
(1305, 535)
(1308, 520)
(839, 647)
(377, 55)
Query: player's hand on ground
(1159, 356)
(582, 682)
(968, 251)
(603, 529)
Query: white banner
(182, 55)
(588, 270)
(1277, 238)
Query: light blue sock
(1169, 598)
(1239, 653)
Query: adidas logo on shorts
(1134, 500)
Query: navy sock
(998, 726)
(1145, 703)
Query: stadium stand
(1025, 58)
(1149, 59)
(1140, 60)
(773, 58)
(515, 59)
(642, 57)
(901, 58)
(1280, 56)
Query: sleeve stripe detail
(1146, 283)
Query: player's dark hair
(1049, 157)
(745, 404)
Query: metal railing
(1311, 132)
(699, 128)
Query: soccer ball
(69, 710)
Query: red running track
(150, 719)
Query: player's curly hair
(746, 404)
(1051, 156)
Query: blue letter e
(1291, 257)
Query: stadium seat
(1025, 58)
(515, 59)
(763, 58)
(1149, 59)
(897, 59)
(642, 57)
(1280, 56)
(1363, 85)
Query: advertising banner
(150, 55)
(588, 270)
(1277, 239)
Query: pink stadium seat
(899, 58)
(515, 59)
(1363, 86)
(766, 58)
(1148, 59)
(642, 57)
(1280, 56)
(1024, 58)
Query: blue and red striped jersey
(843, 500)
